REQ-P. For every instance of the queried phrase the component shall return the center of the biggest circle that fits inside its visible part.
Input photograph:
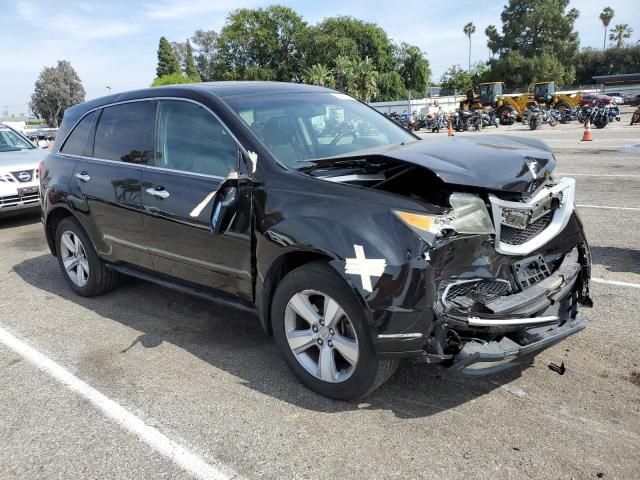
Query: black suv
(355, 243)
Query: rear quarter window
(126, 133)
(78, 143)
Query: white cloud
(171, 9)
(88, 25)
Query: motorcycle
(461, 120)
(600, 117)
(440, 120)
(533, 116)
(567, 115)
(550, 116)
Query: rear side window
(125, 133)
(191, 139)
(78, 141)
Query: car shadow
(19, 219)
(616, 259)
(234, 341)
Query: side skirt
(218, 297)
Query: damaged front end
(505, 259)
(501, 299)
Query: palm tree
(469, 29)
(605, 16)
(365, 78)
(318, 74)
(344, 75)
(619, 33)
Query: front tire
(84, 271)
(322, 332)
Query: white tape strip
(175, 452)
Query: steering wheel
(351, 132)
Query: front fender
(378, 257)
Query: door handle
(159, 192)
(83, 176)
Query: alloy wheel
(74, 258)
(321, 336)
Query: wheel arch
(279, 268)
(53, 219)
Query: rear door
(108, 180)
(195, 153)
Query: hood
(22, 159)
(493, 162)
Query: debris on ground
(559, 369)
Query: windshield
(10, 141)
(298, 128)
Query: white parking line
(606, 207)
(178, 454)
(631, 175)
(615, 282)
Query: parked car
(352, 251)
(592, 100)
(616, 97)
(19, 160)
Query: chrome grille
(516, 236)
(15, 200)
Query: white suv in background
(19, 162)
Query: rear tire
(315, 285)
(509, 120)
(84, 271)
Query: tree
(455, 81)
(343, 74)
(263, 38)
(56, 89)
(318, 74)
(535, 34)
(205, 42)
(365, 78)
(171, 79)
(350, 37)
(620, 33)
(190, 69)
(592, 62)
(167, 60)
(414, 69)
(605, 17)
(390, 87)
(469, 29)
(180, 51)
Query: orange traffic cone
(586, 136)
(450, 130)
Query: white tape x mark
(365, 267)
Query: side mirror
(225, 204)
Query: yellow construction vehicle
(509, 107)
(545, 94)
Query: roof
(629, 78)
(229, 89)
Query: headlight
(468, 215)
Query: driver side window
(191, 139)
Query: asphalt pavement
(207, 385)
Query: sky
(115, 42)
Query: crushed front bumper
(524, 323)
(491, 357)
